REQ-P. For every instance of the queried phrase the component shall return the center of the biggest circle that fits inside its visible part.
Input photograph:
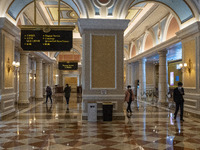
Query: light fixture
(56, 75)
(12, 66)
(31, 78)
(185, 66)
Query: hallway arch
(14, 10)
(179, 8)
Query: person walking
(67, 92)
(48, 94)
(129, 97)
(179, 100)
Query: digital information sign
(38, 40)
(68, 65)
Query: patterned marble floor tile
(157, 146)
(91, 147)
(43, 127)
(124, 146)
(188, 145)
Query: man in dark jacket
(48, 94)
(178, 99)
(67, 91)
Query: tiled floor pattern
(54, 128)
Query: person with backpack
(48, 94)
(129, 97)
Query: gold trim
(33, 2)
(41, 27)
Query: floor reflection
(46, 126)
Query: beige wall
(103, 61)
(189, 52)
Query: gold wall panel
(9, 56)
(103, 61)
(177, 72)
(72, 81)
(190, 53)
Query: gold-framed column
(103, 64)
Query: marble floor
(53, 127)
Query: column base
(165, 104)
(116, 100)
(116, 117)
(23, 102)
(40, 98)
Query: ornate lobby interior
(148, 44)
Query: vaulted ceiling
(141, 13)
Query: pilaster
(162, 85)
(23, 79)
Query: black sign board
(68, 65)
(38, 40)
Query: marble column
(61, 78)
(51, 73)
(39, 79)
(23, 79)
(46, 75)
(162, 85)
(103, 39)
(142, 78)
(33, 78)
(132, 75)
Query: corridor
(42, 126)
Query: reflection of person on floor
(129, 97)
(48, 108)
(67, 91)
(178, 99)
(48, 93)
(48, 113)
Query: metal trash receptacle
(92, 112)
(107, 111)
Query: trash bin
(92, 112)
(107, 111)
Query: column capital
(39, 60)
(163, 53)
(102, 24)
(143, 60)
(24, 53)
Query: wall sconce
(186, 66)
(31, 78)
(12, 66)
(56, 75)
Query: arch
(148, 42)
(171, 28)
(17, 6)
(126, 54)
(133, 51)
(179, 8)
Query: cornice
(42, 56)
(189, 30)
(160, 47)
(102, 24)
(9, 27)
